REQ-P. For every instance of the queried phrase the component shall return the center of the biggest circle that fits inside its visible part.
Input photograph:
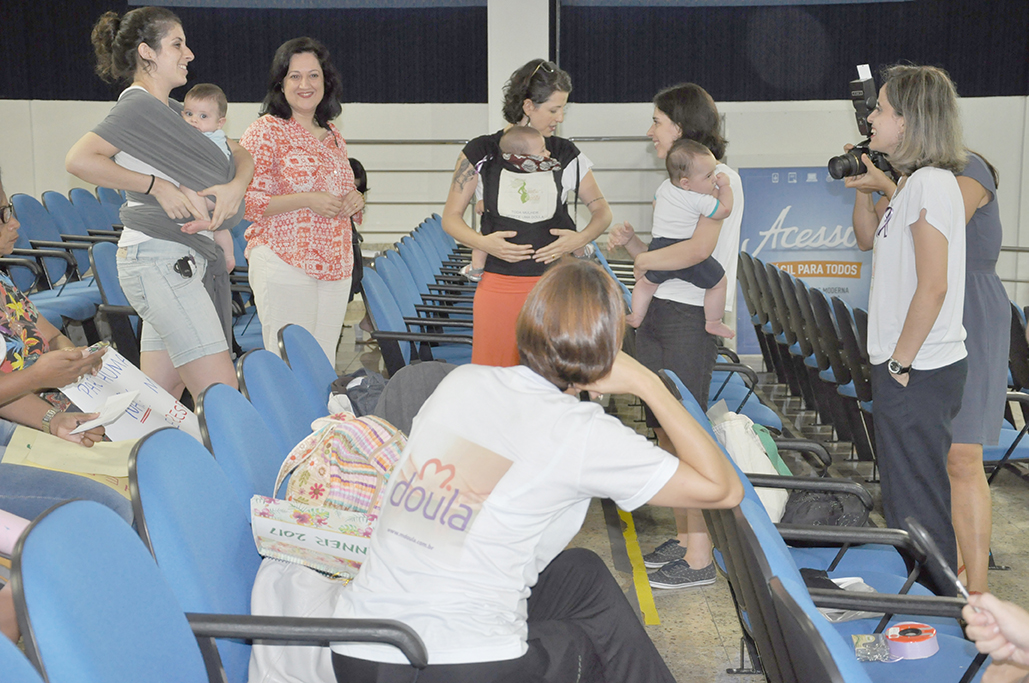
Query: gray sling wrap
(140, 125)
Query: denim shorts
(178, 314)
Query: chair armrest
(104, 233)
(807, 446)
(451, 288)
(745, 370)
(728, 353)
(438, 322)
(448, 298)
(324, 631)
(422, 337)
(24, 263)
(116, 310)
(47, 244)
(448, 310)
(854, 535)
(47, 253)
(922, 605)
(813, 484)
(88, 239)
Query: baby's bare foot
(719, 329)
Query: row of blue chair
(419, 305)
(732, 381)
(422, 307)
(206, 561)
(871, 554)
(817, 346)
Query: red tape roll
(912, 640)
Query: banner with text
(800, 220)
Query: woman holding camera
(915, 333)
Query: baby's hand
(201, 204)
(721, 180)
(620, 235)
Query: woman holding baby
(672, 336)
(171, 274)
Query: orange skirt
(498, 301)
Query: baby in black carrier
(522, 148)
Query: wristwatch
(46, 420)
(896, 368)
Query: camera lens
(845, 165)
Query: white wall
(37, 134)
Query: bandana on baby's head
(530, 163)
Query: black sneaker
(669, 551)
(679, 574)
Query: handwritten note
(153, 408)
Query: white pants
(287, 295)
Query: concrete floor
(698, 632)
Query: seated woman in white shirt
(495, 481)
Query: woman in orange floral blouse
(301, 200)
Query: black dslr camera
(863, 97)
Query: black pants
(581, 628)
(912, 439)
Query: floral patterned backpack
(344, 464)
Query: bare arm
(975, 196)
(54, 337)
(931, 248)
(30, 411)
(570, 240)
(462, 189)
(90, 159)
(624, 235)
(724, 195)
(868, 211)
(704, 478)
(686, 253)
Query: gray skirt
(987, 321)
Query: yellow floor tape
(639, 572)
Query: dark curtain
(809, 52)
(385, 55)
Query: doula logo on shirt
(527, 197)
(439, 491)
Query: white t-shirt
(676, 211)
(495, 482)
(726, 251)
(893, 269)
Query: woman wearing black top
(519, 249)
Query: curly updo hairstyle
(694, 111)
(275, 101)
(537, 81)
(116, 40)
